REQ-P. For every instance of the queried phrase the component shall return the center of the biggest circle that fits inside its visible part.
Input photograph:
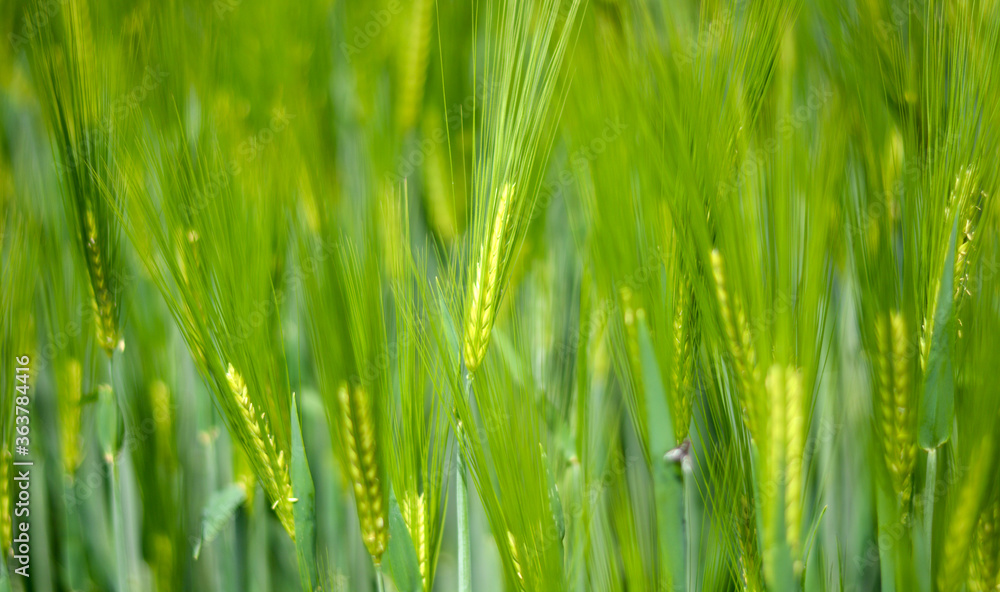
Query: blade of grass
(303, 508)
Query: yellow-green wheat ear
(984, 568)
(794, 449)
(413, 62)
(358, 432)
(749, 557)
(630, 321)
(268, 461)
(414, 510)
(70, 384)
(486, 286)
(683, 367)
(516, 559)
(105, 308)
(776, 386)
(905, 445)
(883, 390)
(961, 524)
(737, 339)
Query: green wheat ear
(269, 461)
(414, 510)
(737, 334)
(984, 568)
(486, 285)
(685, 350)
(69, 379)
(87, 143)
(358, 435)
(895, 414)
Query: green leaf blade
(937, 407)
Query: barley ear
(358, 432)
(905, 446)
(794, 448)
(984, 568)
(413, 62)
(749, 558)
(268, 460)
(105, 309)
(486, 286)
(737, 337)
(630, 320)
(776, 386)
(414, 511)
(683, 367)
(961, 525)
(515, 558)
(883, 391)
(70, 384)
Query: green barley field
(500, 295)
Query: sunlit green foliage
(516, 295)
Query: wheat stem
(462, 510)
(983, 570)
(961, 525)
(794, 447)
